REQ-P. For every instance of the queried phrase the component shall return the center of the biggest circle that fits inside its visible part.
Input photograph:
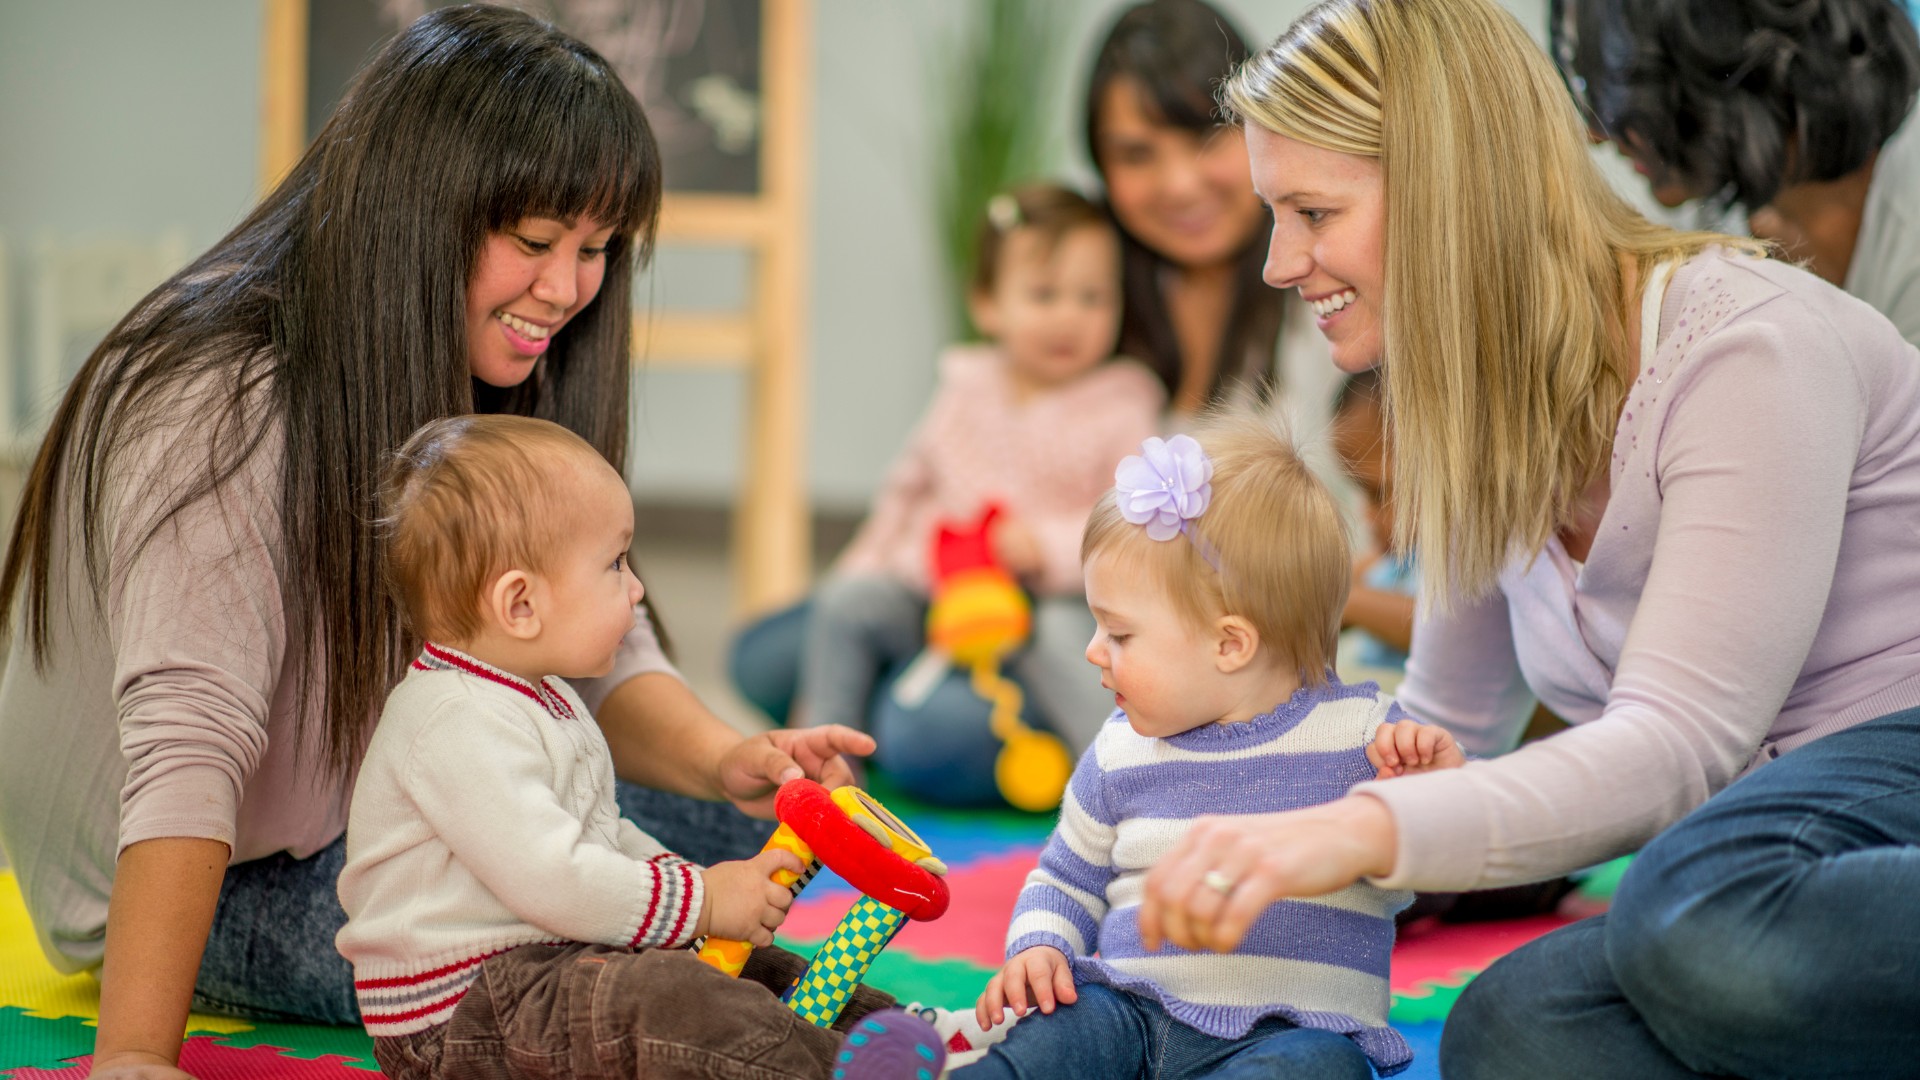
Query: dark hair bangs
(581, 148)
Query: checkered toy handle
(731, 956)
(823, 988)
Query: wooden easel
(771, 528)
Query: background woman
(1798, 113)
(200, 641)
(1666, 486)
(1191, 227)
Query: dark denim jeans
(1111, 1035)
(1773, 932)
(592, 1012)
(270, 955)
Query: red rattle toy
(859, 839)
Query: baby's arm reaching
(743, 902)
(1038, 977)
(1406, 746)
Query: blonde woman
(1665, 485)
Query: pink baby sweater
(1046, 459)
(1752, 586)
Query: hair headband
(1003, 212)
(1165, 487)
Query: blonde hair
(1504, 358)
(466, 499)
(1271, 547)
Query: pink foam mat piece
(1444, 953)
(973, 929)
(207, 1060)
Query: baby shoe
(890, 1044)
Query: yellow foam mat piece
(30, 983)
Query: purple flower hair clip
(1165, 486)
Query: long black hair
(335, 316)
(1736, 99)
(1177, 52)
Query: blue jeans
(845, 646)
(270, 955)
(1110, 1034)
(1773, 932)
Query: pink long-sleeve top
(1045, 458)
(1752, 586)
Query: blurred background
(138, 132)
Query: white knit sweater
(484, 818)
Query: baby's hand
(743, 903)
(1017, 548)
(1037, 977)
(1409, 746)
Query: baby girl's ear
(1236, 643)
(985, 312)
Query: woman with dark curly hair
(1795, 110)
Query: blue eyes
(620, 562)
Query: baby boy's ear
(509, 605)
(1236, 643)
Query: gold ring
(1217, 881)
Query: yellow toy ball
(1032, 770)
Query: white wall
(132, 116)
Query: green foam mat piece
(940, 982)
(1601, 882)
(1429, 1005)
(308, 1042)
(34, 1042)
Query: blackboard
(694, 65)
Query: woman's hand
(1208, 891)
(1017, 548)
(753, 770)
(136, 1066)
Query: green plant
(997, 91)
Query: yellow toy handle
(1032, 767)
(731, 956)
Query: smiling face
(531, 279)
(1161, 667)
(1329, 238)
(1182, 193)
(589, 590)
(1055, 308)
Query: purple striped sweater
(1320, 962)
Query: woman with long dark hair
(1192, 230)
(200, 640)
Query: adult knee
(1488, 1023)
(1696, 966)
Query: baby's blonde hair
(1272, 546)
(466, 499)
(1505, 363)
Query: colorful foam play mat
(46, 1019)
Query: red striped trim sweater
(484, 818)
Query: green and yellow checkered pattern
(823, 989)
